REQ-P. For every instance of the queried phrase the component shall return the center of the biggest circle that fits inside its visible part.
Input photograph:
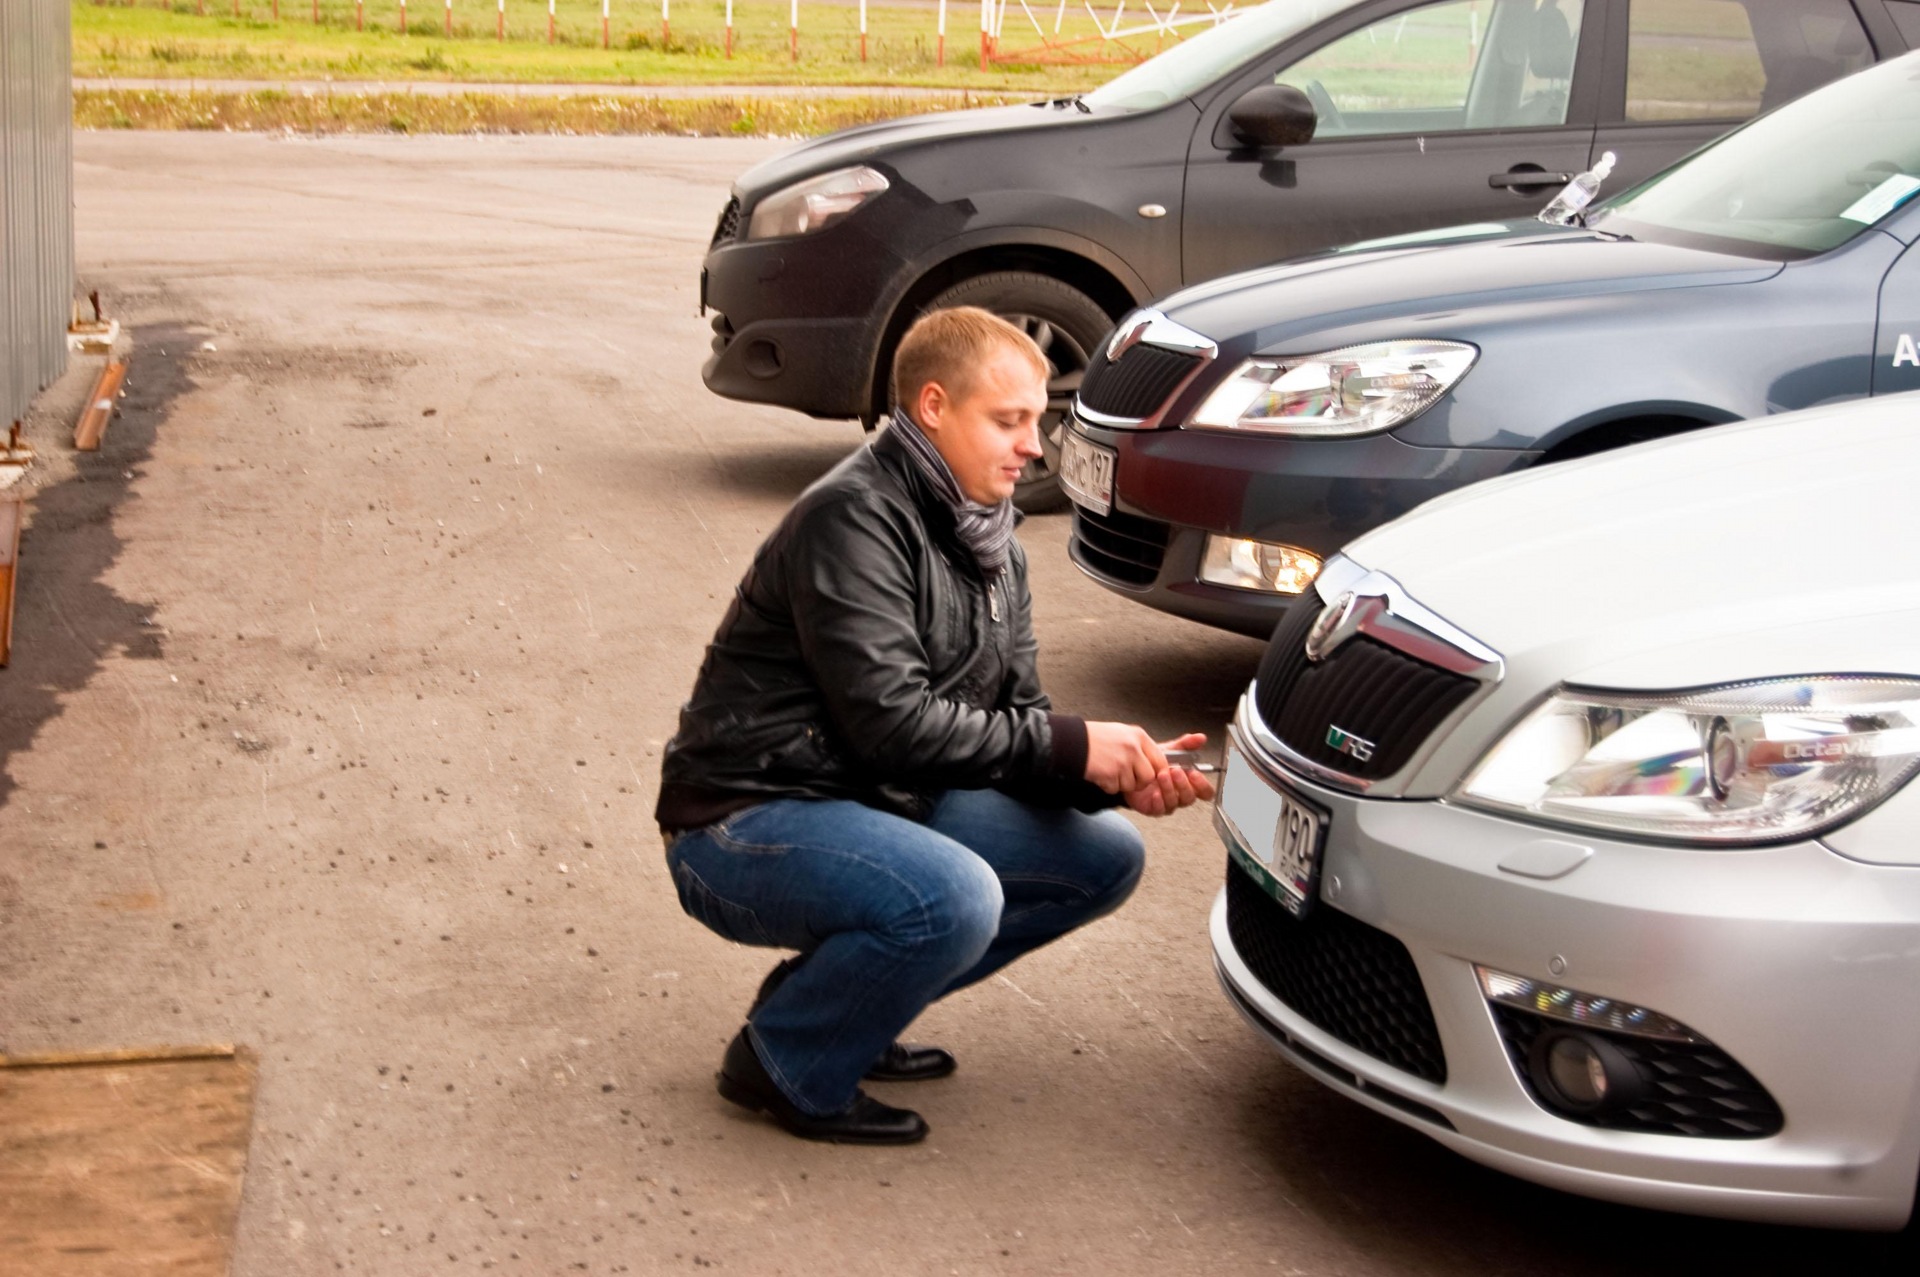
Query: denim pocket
(717, 914)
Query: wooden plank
(11, 515)
(93, 422)
(125, 1169)
(213, 1051)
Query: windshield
(1193, 64)
(1801, 180)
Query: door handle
(1520, 179)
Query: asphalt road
(340, 683)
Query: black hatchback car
(1298, 126)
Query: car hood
(861, 145)
(1502, 263)
(1779, 547)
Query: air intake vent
(728, 228)
(1119, 547)
(1353, 980)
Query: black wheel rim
(1067, 361)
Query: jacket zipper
(993, 602)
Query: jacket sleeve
(850, 577)
(1068, 787)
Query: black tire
(1069, 326)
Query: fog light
(1258, 565)
(1583, 1074)
(1576, 1070)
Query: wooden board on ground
(11, 516)
(123, 1167)
(93, 422)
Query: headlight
(815, 203)
(1751, 762)
(1355, 391)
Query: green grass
(350, 111)
(150, 39)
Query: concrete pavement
(340, 681)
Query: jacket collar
(892, 455)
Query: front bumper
(799, 320)
(1796, 962)
(1173, 487)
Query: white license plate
(1274, 836)
(1086, 471)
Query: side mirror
(1273, 115)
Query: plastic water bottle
(1574, 197)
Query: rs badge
(1345, 742)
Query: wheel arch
(1113, 288)
(1628, 424)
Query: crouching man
(868, 772)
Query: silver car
(1571, 826)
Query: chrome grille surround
(1147, 327)
(1375, 606)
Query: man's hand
(1122, 758)
(1173, 787)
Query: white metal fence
(36, 198)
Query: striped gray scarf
(986, 530)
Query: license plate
(1274, 836)
(1086, 471)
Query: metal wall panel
(36, 197)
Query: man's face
(989, 435)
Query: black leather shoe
(743, 1080)
(906, 1062)
(900, 1062)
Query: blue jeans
(891, 914)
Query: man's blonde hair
(949, 346)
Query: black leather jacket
(865, 656)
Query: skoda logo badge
(1326, 632)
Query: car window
(1799, 181)
(1731, 59)
(1465, 64)
(1196, 63)
(1906, 16)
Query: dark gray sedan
(1298, 126)
(1231, 438)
